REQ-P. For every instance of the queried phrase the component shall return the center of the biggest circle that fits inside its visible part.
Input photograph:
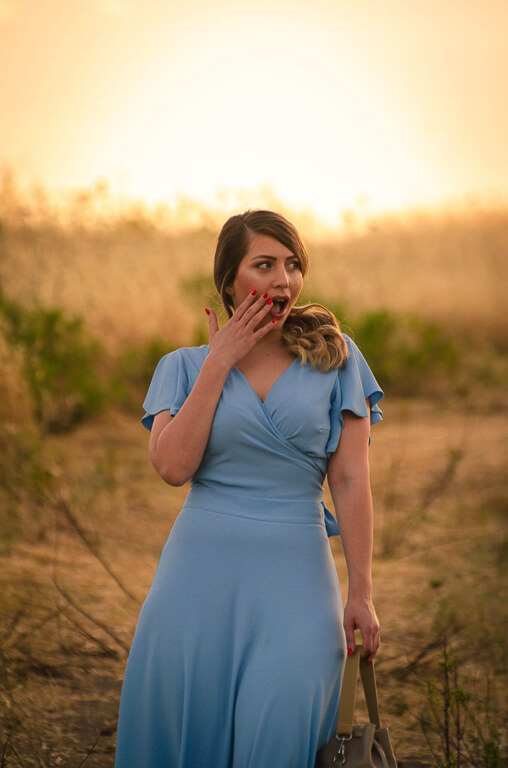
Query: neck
(270, 343)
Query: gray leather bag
(358, 746)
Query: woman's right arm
(177, 443)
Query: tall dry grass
(128, 272)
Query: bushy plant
(60, 360)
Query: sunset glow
(333, 105)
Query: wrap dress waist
(234, 502)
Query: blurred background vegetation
(90, 300)
(91, 296)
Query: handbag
(358, 746)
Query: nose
(280, 277)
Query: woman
(240, 645)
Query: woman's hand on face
(238, 335)
(359, 613)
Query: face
(268, 266)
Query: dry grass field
(84, 516)
(447, 265)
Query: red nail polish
(265, 295)
(269, 301)
(349, 651)
(253, 292)
(207, 310)
(274, 319)
(370, 661)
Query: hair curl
(310, 331)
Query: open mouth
(279, 307)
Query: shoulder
(351, 344)
(187, 355)
(187, 360)
(355, 356)
(348, 362)
(195, 355)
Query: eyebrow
(274, 258)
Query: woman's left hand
(359, 613)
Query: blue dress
(239, 648)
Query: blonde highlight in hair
(310, 331)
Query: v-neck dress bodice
(239, 649)
(235, 368)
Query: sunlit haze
(331, 104)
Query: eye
(294, 263)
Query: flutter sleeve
(353, 384)
(168, 388)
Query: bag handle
(348, 691)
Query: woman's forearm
(182, 442)
(353, 506)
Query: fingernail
(253, 292)
(207, 310)
(274, 319)
(265, 294)
(370, 661)
(269, 301)
(349, 651)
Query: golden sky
(384, 104)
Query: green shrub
(61, 363)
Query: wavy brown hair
(310, 331)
